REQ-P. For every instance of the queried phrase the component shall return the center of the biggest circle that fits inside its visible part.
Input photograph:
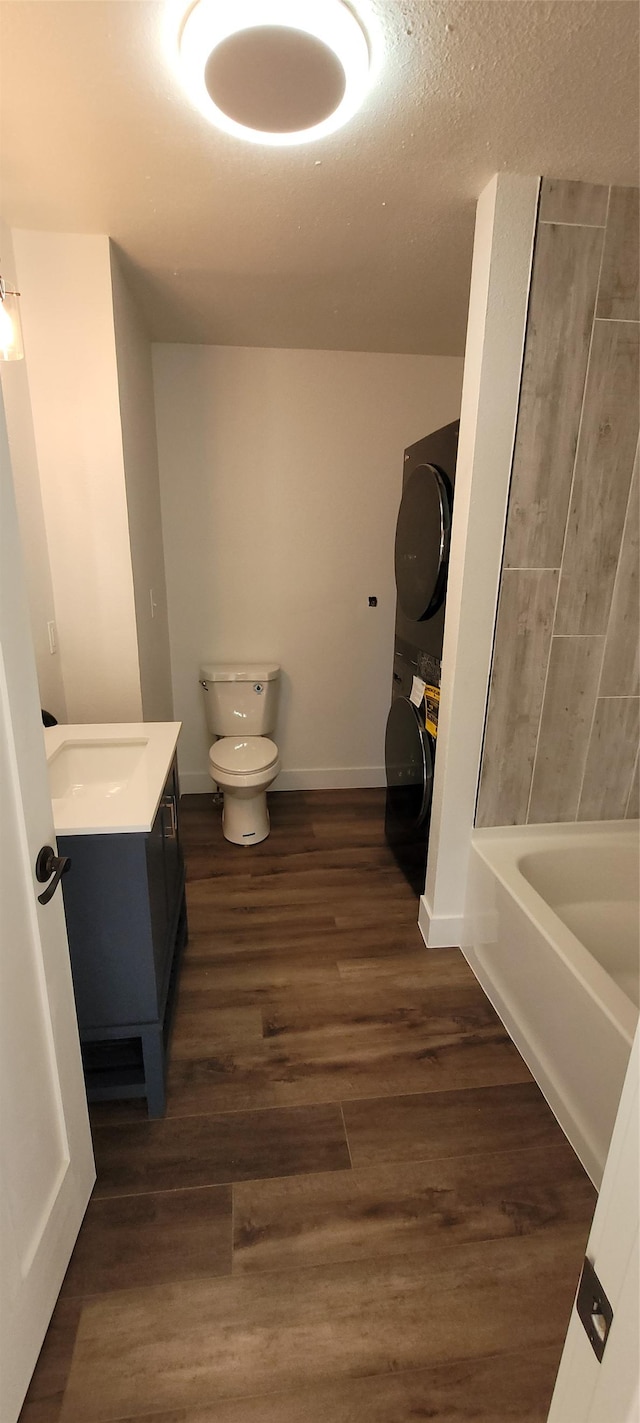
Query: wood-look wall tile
(565, 725)
(604, 466)
(562, 302)
(523, 637)
(633, 803)
(621, 666)
(611, 760)
(510, 1388)
(186, 1345)
(564, 200)
(618, 292)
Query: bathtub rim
(500, 847)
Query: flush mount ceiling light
(275, 71)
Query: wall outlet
(51, 633)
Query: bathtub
(552, 934)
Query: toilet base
(245, 817)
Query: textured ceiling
(361, 241)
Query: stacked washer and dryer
(421, 565)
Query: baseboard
(322, 778)
(331, 778)
(439, 931)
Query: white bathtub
(552, 934)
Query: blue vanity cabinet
(126, 922)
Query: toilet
(241, 702)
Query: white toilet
(241, 703)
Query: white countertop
(108, 779)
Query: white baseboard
(439, 931)
(322, 778)
(331, 778)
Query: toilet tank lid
(239, 671)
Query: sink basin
(107, 778)
(94, 768)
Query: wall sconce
(11, 347)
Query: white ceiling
(361, 241)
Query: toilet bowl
(241, 702)
(244, 769)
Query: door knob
(47, 864)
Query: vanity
(114, 790)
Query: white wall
(137, 418)
(500, 279)
(17, 401)
(280, 475)
(67, 315)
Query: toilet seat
(242, 756)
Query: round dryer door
(422, 542)
(408, 754)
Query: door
(46, 1165)
(607, 1390)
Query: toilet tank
(241, 699)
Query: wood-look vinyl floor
(359, 1208)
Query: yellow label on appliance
(431, 708)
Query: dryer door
(422, 542)
(408, 756)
